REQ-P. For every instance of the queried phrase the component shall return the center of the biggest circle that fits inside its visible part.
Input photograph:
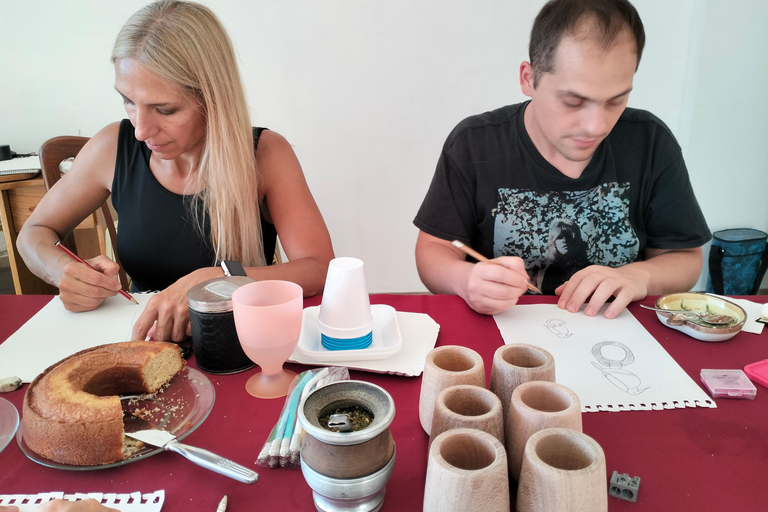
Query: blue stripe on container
(346, 343)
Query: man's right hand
(487, 287)
(495, 286)
(85, 289)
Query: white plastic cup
(345, 311)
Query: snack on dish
(72, 412)
(701, 303)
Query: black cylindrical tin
(214, 337)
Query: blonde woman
(192, 182)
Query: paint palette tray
(728, 384)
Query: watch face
(233, 268)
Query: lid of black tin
(215, 296)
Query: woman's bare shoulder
(282, 178)
(96, 161)
(106, 138)
(275, 157)
(271, 144)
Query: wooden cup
(534, 406)
(563, 471)
(467, 471)
(445, 367)
(467, 406)
(515, 364)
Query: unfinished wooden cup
(467, 471)
(445, 367)
(563, 471)
(515, 364)
(467, 406)
(534, 406)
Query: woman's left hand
(166, 315)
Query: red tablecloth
(688, 459)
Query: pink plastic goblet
(268, 322)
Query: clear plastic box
(728, 384)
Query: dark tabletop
(688, 459)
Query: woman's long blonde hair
(185, 44)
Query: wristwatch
(233, 268)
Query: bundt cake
(72, 412)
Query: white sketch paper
(612, 365)
(55, 333)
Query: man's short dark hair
(560, 18)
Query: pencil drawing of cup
(467, 471)
(467, 406)
(534, 406)
(445, 367)
(515, 364)
(562, 471)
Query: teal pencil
(274, 450)
(295, 444)
(292, 413)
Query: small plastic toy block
(623, 487)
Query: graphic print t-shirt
(494, 191)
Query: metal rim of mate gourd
(345, 393)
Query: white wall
(366, 91)
(727, 151)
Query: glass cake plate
(9, 422)
(180, 409)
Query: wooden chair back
(52, 153)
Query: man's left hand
(662, 271)
(595, 284)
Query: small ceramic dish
(700, 303)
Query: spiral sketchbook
(20, 165)
(612, 365)
(133, 502)
(55, 333)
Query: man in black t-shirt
(571, 190)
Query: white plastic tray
(386, 337)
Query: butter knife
(199, 456)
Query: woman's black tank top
(156, 238)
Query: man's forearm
(670, 271)
(441, 268)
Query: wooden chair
(52, 153)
